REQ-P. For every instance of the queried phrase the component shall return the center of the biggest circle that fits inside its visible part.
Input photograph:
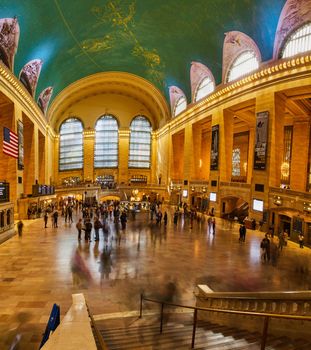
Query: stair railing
(266, 316)
(102, 344)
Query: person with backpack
(87, 229)
(265, 246)
(97, 226)
(79, 228)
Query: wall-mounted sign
(215, 147)
(42, 190)
(20, 134)
(261, 140)
(4, 192)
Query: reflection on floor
(45, 266)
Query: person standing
(165, 218)
(265, 246)
(97, 226)
(55, 218)
(20, 226)
(79, 228)
(175, 217)
(46, 217)
(301, 240)
(214, 226)
(241, 233)
(123, 219)
(88, 229)
(69, 211)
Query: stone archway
(232, 207)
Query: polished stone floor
(46, 266)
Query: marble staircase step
(142, 334)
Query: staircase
(144, 334)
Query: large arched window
(180, 106)
(245, 63)
(205, 87)
(71, 145)
(106, 142)
(298, 42)
(140, 143)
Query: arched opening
(234, 208)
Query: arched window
(71, 145)
(140, 143)
(245, 63)
(298, 42)
(205, 87)
(180, 106)
(106, 142)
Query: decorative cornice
(15, 88)
(267, 74)
(111, 82)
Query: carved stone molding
(175, 94)
(234, 44)
(198, 72)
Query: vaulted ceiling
(154, 39)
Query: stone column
(88, 146)
(300, 153)
(250, 158)
(225, 145)
(124, 142)
(153, 160)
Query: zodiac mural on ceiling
(120, 16)
(29, 75)
(44, 99)
(9, 35)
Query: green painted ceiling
(155, 39)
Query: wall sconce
(171, 187)
(192, 188)
(307, 206)
(285, 169)
(204, 189)
(277, 200)
(179, 188)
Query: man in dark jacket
(88, 229)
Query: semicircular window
(205, 87)
(245, 63)
(140, 143)
(180, 106)
(298, 42)
(71, 145)
(106, 142)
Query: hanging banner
(215, 147)
(261, 141)
(20, 133)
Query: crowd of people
(95, 217)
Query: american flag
(10, 143)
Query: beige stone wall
(181, 147)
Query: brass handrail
(266, 316)
(103, 345)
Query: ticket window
(8, 217)
(2, 219)
(309, 232)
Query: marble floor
(46, 266)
